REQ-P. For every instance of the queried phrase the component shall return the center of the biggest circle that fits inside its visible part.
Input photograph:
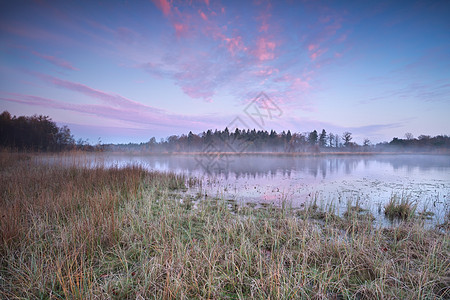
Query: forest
(37, 133)
(40, 133)
(239, 141)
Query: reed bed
(126, 233)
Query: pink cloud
(163, 5)
(248, 56)
(325, 34)
(181, 21)
(202, 14)
(93, 109)
(267, 71)
(264, 18)
(180, 29)
(207, 2)
(34, 33)
(234, 44)
(292, 88)
(143, 119)
(312, 47)
(317, 53)
(294, 82)
(56, 61)
(109, 98)
(264, 49)
(197, 79)
(300, 84)
(196, 92)
(265, 44)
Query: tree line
(265, 141)
(40, 133)
(36, 133)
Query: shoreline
(282, 154)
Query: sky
(126, 71)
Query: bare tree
(347, 137)
(409, 136)
(366, 142)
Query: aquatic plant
(400, 207)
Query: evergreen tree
(288, 136)
(312, 138)
(323, 138)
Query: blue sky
(125, 71)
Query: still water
(330, 180)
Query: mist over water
(330, 180)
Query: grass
(400, 208)
(69, 232)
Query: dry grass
(69, 232)
(400, 207)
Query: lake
(370, 180)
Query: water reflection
(260, 178)
(256, 166)
(264, 166)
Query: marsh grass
(400, 207)
(69, 232)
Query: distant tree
(312, 137)
(288, 136)
(323, 138)
(273, 134)
(208, 137)
(366, 142)
(237, 133)
(172, 143)
(152, 144)
(260, 140)
(226, 133)
(6, 129)
(35, 133)
(299, 141)
(190, 140)
(424, 137)
(65, 139)
(347, 137)
(423, 141)
(409, 136)
(330, 140)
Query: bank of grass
(69, 232)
